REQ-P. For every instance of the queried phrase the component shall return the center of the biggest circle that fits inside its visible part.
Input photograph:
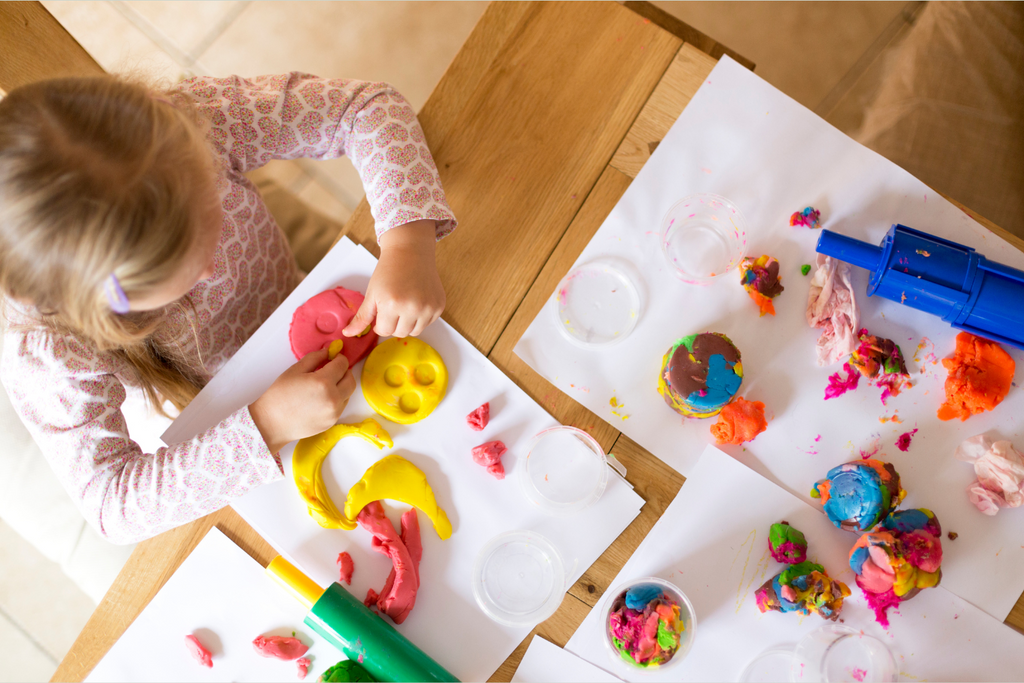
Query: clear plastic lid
(598, 305)
(703, 237)
(519, 579)
(565, 470)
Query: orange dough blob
(979, 378)
(739, 422)
(763, 302)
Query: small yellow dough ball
(404, 380)
(335, 348)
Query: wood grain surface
(538, 126)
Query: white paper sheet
(545, 662)
(223, 597)
(712, 542)
(744, 140)
(446, 622)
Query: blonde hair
(100, 176)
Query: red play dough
(479, 418)
(345, 568)
(320, 321)
(489, 455)
(279, 647)
(198, 651)
(398, 596)
(303, 665)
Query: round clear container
(627, 669)
(598, 305)
(564, 471)
(769, 667)
(519, 579)
(839, 654)
(703, 237)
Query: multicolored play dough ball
(700, 374)
(858, 495)
(786, 544)
(319, 322)
(899, 559)
(404, 379)
(645, 625)
(804, 588)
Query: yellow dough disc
(308, 458)
(404, 380)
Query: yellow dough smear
(395, 478)
(404, 379)
(308, 459)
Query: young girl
(134, 253)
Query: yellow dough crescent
(308, 458)
(404, 379)
(395, 478)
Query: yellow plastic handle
(300, 586)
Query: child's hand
(405, 292)
(303, 401)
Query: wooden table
(538, 127)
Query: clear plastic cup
(703, 237)
(839, 654)
(627, 669)
(519, 579)
(564, 471)
(598, 305)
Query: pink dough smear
(345, 568)
(398, 596)
(199, 651)
(279, 647)
(903, 442)
(839, 385)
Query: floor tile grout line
(153, 33)
(218, 30)
(906, 16)
(39, 646)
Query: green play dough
(346, 671)
(666, 639)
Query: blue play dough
(637, 597)
(857, 560)
(722, 381)
(855, 496)
(785, 604)
(906, 520)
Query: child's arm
(298, 115)
(70, 400)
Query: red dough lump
(980, 374)
(198, 651)
(345, 568)
(303, 665)
(279, 647)
(320, 321)
(398, 596)
(489, 455)
(739, 422)
(479, 418)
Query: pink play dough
(398, 596)
(320, 321)
(279, 647)
(303, 665)
(345, 568)
(198, 651)
(489, 456)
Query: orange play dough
(739, 422)
(980, 373)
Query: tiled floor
(816, 52)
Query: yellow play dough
(308, 458)
(395, 478)
(335, 348)
(404, 380)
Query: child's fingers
(335, 370)
(311, 361)
(362, 319)
(405, 325)
(386, 323)
(421, 325)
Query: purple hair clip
(115, 295)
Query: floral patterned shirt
(70, 396)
